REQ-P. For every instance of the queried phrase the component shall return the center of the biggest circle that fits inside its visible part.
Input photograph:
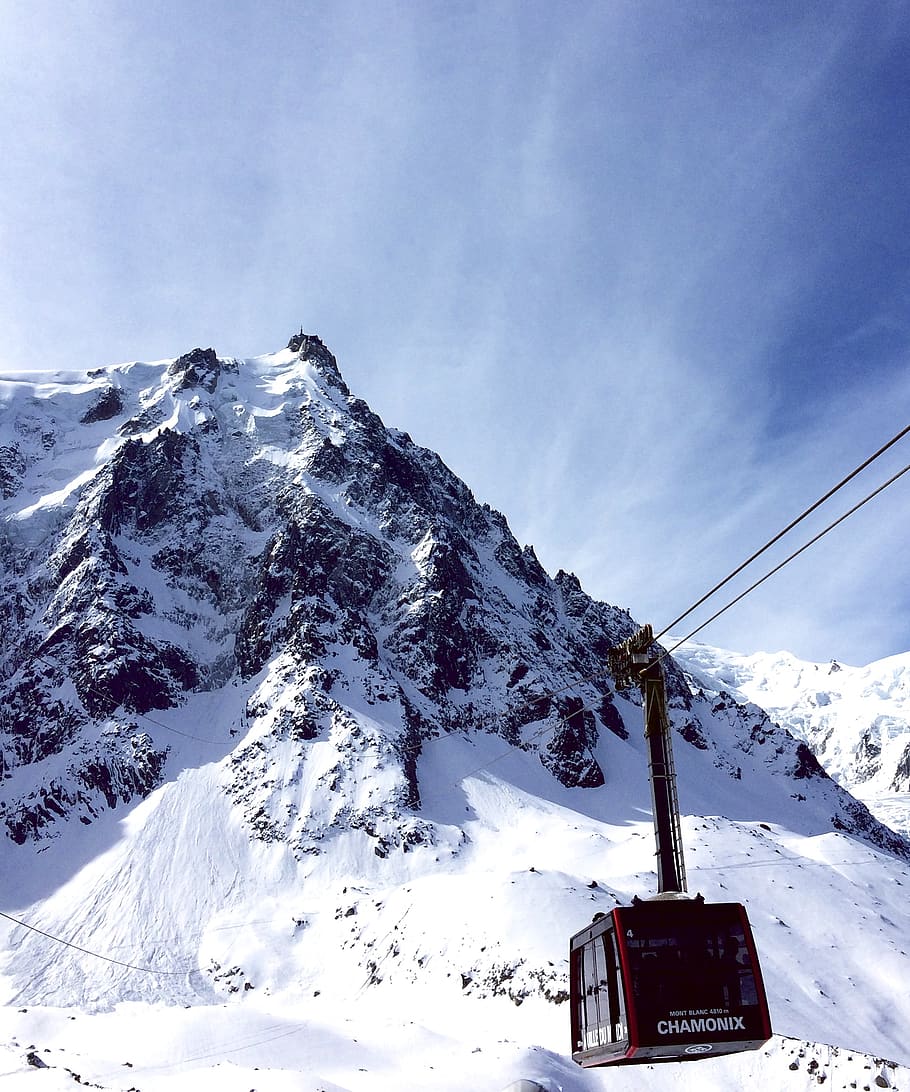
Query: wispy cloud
(637, 271)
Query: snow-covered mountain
(293, 725)
(856, 720)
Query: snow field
(421, 959)
(364, 1048)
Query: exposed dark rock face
(611, 718)
(901, 782)
(868, 756)
(12, 470)
(112, 772)
(565, 755)
(109, 404)
(199, 368)
(807, 765)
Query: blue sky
(637, 271)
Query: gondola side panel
(692, 978)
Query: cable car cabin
(666, 980)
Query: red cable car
(666, 980)
(672, 978)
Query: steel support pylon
(637, 662)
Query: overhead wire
(786, 560)
(91, 689)
(281, 1031)
(95, 955)
(726, 580)
(372, 971)
(539, 734)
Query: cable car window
(617, 1000)
(592, 981)
(600, 1012)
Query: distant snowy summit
(855, 719)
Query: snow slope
(424, 970)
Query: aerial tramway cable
(95, 955)
(785, 531)
(777, 568)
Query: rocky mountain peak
(247, 536)
(313, 350)
(199, 368)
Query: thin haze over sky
(637, 271)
